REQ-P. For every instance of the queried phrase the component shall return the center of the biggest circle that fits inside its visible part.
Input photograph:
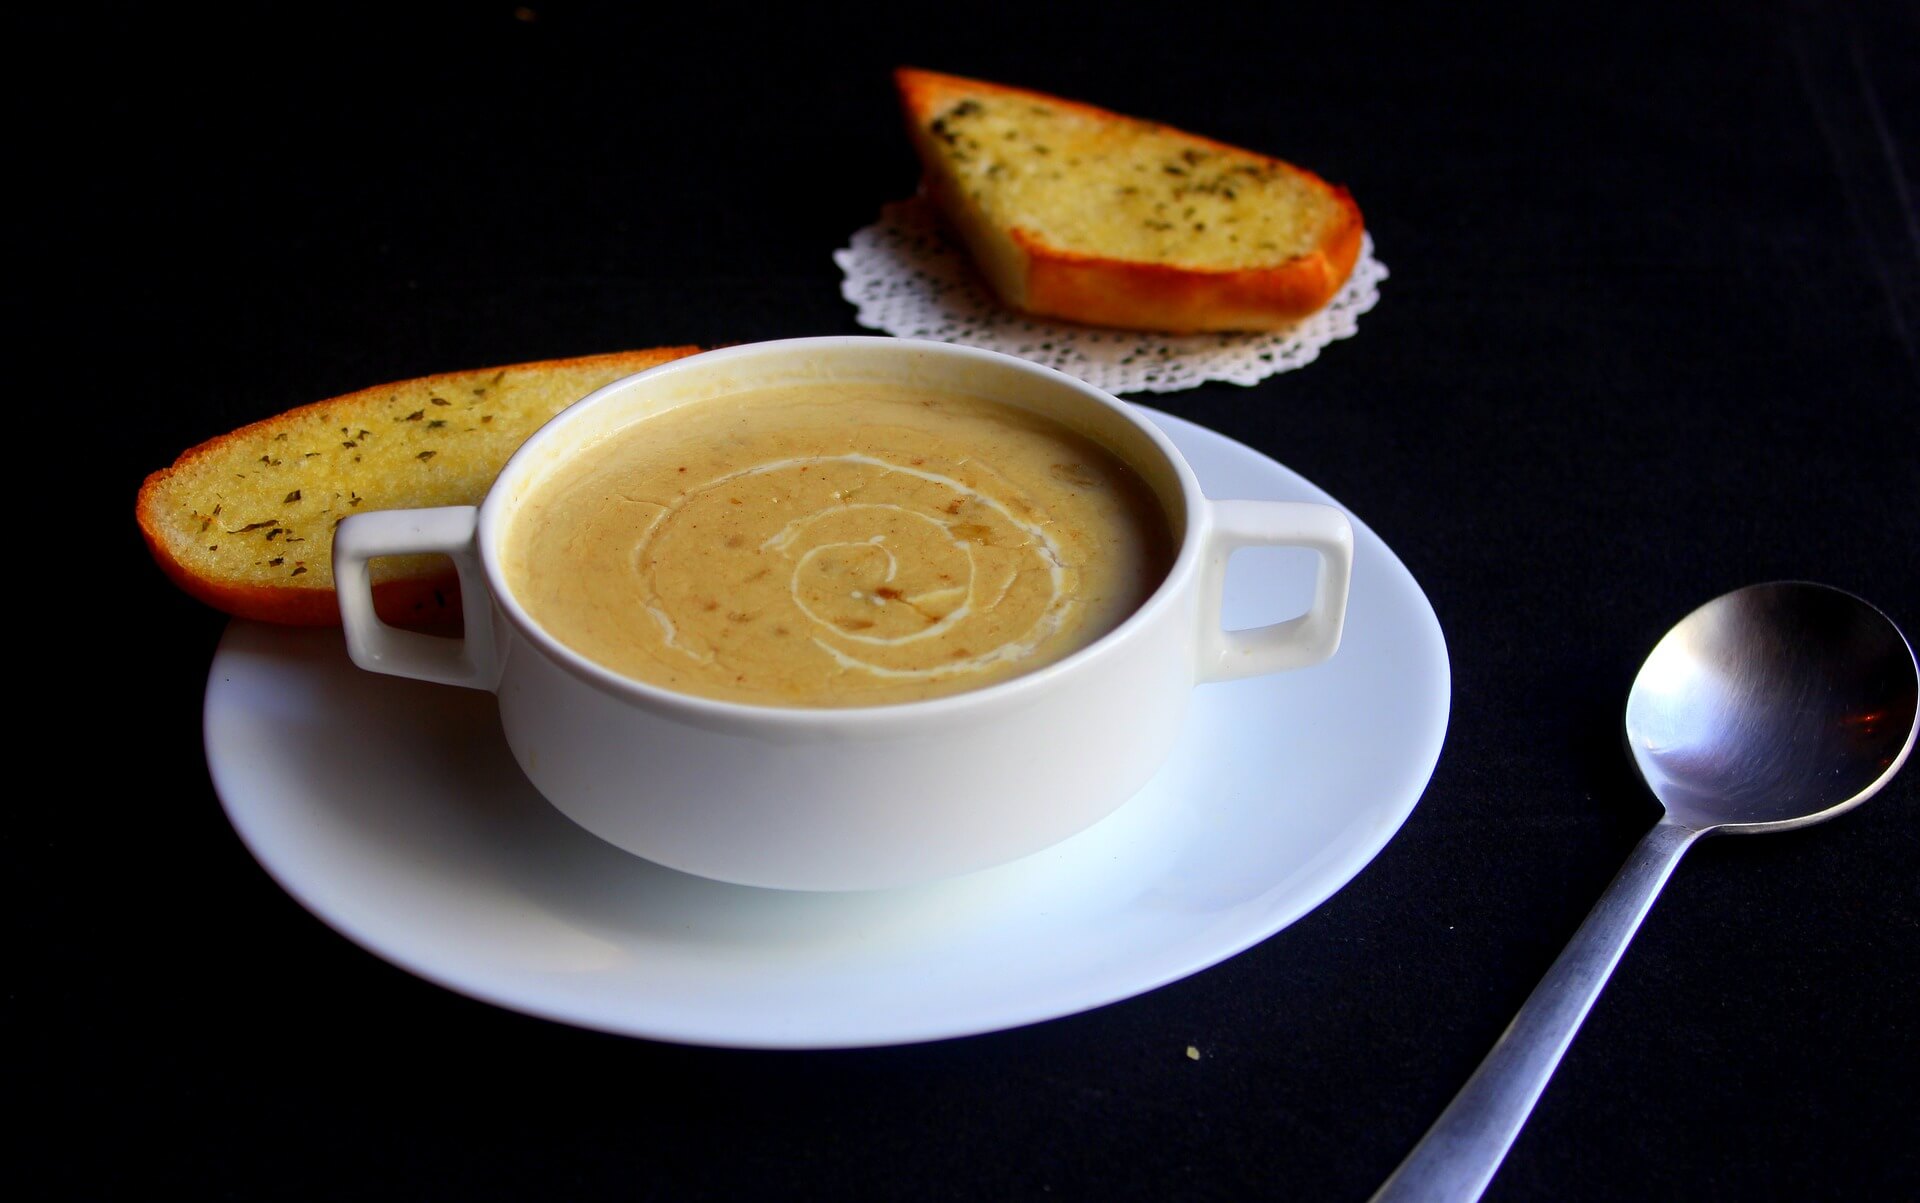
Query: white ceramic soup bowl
(848, 798)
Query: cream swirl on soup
(837, 545)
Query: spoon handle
(1459, 1155)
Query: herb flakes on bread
(244, 522)
(1074, 212)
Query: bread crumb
(1193, 1054)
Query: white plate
(393, 810)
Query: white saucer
(393, 810)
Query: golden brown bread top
(245, 521)
(1077, 212)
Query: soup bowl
(847, 797)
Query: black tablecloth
(1652, 333)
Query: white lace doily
(908, 278)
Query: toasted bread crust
(1034, 273)
(426, 596)
(1152, 296)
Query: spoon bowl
(1768, 708)
(1773, 707)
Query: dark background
(1652, 333)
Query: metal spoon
(1772, 707)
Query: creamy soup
(836, 545)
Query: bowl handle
(471, 660)
(1297, 642)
